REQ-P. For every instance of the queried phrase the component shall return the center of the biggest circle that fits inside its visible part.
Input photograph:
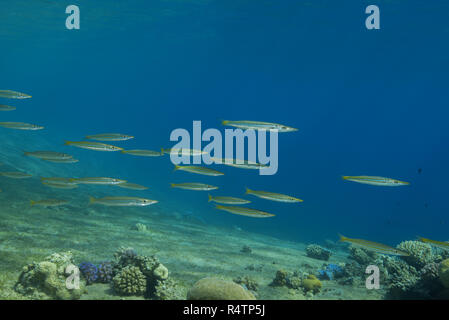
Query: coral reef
(362, 256)
(247, 282)
(280, 279)
(168, 290)
(317, 252)
(152, 277)
(47, 279)
(89, 271)
(420, 253)
(330, 272)
(311, 283)
(130, 281)
(444, 273)
(294, 282)
(105, 272)
(218, 289)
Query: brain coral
(130, 281)
(311, 283)
(218, 289)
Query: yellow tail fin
(422, 239)
(172, 185)
(210, 198)
(67, 143)
(32, 202)
(91, 200)
(342, 238)
(224, 122)
(176, 167)
(345, 177)
(248, 191)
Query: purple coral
(89, 271)
(105, 272)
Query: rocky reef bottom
(99, 254)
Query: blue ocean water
(366, 102)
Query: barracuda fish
(48, 203)
(21, 126)
(13, 94)
(228, 200)
(237, 163)
(98, 180)
(110, 137)
(15, 175)
(72, 160)
(59, 183)
(439, 244)
(97, 146)
(245, 211)
(199, 170)
(48, 155)
(6, 108)
(258, 125)
(374, 246)
(193, 186)
(183, 151)
(132, 186)
(376, 181)
(122, 201)
(272, 196)
(143, 153)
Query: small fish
(183, 151)
(98, 181)
(374, 246)
(245, 211)
(6, 108)
(238, 163)
(228, 200)
(143, 153)
(97, 146)
(48, 155)
(273, 196)
(439, 244)
(110, 137)
(376, 181)
(193, 186)
(72, 160)
(258, 125)
(199, 170)
(16, 175)
(132, 186)
(122, 201)
(48, 203)
(59, 183)
(13, 94)
(20, 126)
